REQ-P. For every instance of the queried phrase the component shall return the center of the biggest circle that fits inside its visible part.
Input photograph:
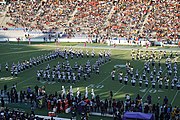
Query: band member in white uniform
(140, 82)
(113, 74)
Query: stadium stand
(130, 19)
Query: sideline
(104, 47)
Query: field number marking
(143, 90)
(95, 86)
(7, 78)
(151, 90)
(119, 66)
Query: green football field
(102, 83)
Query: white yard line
(142, 67)
(106, 77)
(119, 89)
(21, 82)
(145, 20)
(146, 92)
(125, 85)
(27, 51)
(103, 80)
(174, 97)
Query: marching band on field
(151, 73)
(71, 73)
(62, 71)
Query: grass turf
(101, 83)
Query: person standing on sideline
(2, 102)
(18, 40)
(165, 101)
(147, 45)
(84, 44)
(29, 41)
(111, 95)
(114, 45)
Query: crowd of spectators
(131, 19)
(7, 114)
(128, 17)
(40, 16)
(163, 20)
(13, 96)
(91, 16)
(78, 104)
(2, 8)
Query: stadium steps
(4, 18)
(66, 23)
(145, 20)
(4, 21)
(107, 22)
(110, 15)
(1, 16)
(72, 15)
(33, 23)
